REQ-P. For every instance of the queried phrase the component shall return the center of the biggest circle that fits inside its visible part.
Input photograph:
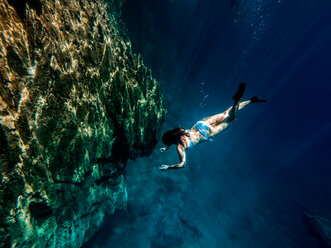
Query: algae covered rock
(75, 105)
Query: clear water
(251, 185)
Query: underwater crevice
(40, 211)
(15, 62)
(20, 6)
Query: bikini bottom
(203, 128)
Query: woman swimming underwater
(205, 129)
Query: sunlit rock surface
(75, 105)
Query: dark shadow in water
(19, 6)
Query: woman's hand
(164, 167)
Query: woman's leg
(219, 118)
(218, 123)
(230, 113)
(221, 121)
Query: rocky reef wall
(75, 105)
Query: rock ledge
(75, 105)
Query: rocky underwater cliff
(75, 105)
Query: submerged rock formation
(320, 227)
(75, 105)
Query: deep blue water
(250, 186)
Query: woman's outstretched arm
(182, 157)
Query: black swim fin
(239, 92)
(255, 99)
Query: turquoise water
(250, 186)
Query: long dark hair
(172, 137)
